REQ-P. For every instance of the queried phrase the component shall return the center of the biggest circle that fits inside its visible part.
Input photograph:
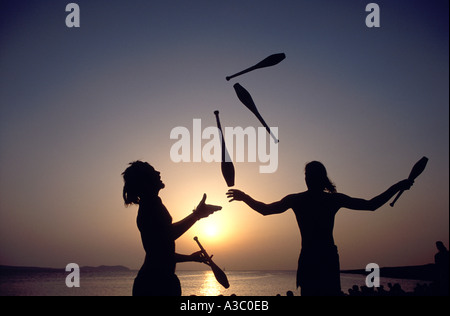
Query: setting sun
(211, 230)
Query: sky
(78, 104)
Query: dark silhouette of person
(157, 277)
(318, 271)
(441, 260)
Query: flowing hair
(134, 178)
(317, 178)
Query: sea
(198, 283)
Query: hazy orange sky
(77, 105)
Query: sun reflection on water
(210, 286)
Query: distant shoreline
(23, 269)
(424, 272)
(420, 272)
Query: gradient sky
(77, 105)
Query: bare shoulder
(294, 198)
(339, 197)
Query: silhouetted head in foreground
(317, 179)
(440, 246)
(140, 180)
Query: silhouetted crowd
(431, 289)
(393, 290)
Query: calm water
(201, 283)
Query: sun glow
(210, 287)
(211, 230)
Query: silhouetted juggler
(157, 275)
(318, 271)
